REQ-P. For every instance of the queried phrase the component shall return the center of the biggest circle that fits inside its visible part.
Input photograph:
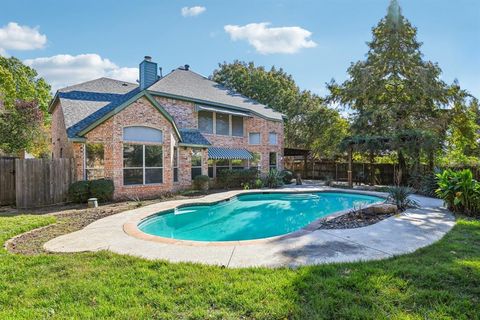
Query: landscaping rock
(382, 208)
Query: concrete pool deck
(404, 233)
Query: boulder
(382, 208)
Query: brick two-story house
(157, 135)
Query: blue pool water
(250, 216)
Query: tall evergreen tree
(394, 93)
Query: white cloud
(268, 40)
(63, 70)
(192, 11)
(16, 37)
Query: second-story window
(254, 138)
(237, 126)
(205, 121)
(222, 124)
(272, 138)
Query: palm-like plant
(400, 196)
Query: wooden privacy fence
(7, 181)
(38, 182)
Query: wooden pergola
(292, 152)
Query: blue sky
(314, 41)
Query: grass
(438, 282)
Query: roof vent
(186, 67)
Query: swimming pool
(250, 216)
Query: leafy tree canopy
(20, 82)
(24, 99)
(308, 123)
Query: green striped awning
(216, 153)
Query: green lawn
(438, 282)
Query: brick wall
(60, 144)
(142, 113)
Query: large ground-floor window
(142, 164)
(215, 167)
(94, 161)
(196, 162)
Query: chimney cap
(148, 58)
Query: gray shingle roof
(102, 85)
(188, 84)
(87, 102)
(193, 137)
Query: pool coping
(131, 227)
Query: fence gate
(7, 181)
(40, 182)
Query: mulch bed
(354, 219)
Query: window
(205, 121)
(272, 138)
(196, 162)
(211, 164)
(142, 134)
(237, 126)
(222, 124)
(94, 161)
(238, 164)
(175, 164)
(221, 165)
(254, 138)
(273, 160)
(142, 164)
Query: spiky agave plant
(400, 196)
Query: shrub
(78, 192)
(81, 191)
(102, 189)
(201, 182)
(287, 176)
(273, 179)
(400, 197)
(459, 191)
(236, 178)
(258, 184)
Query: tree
(20, 126)
(24, 99)
(28, 86)
(462, 146)
(394, 93)
(307, 118)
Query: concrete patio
(404, 233)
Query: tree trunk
(401, 169)
(371, 172)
